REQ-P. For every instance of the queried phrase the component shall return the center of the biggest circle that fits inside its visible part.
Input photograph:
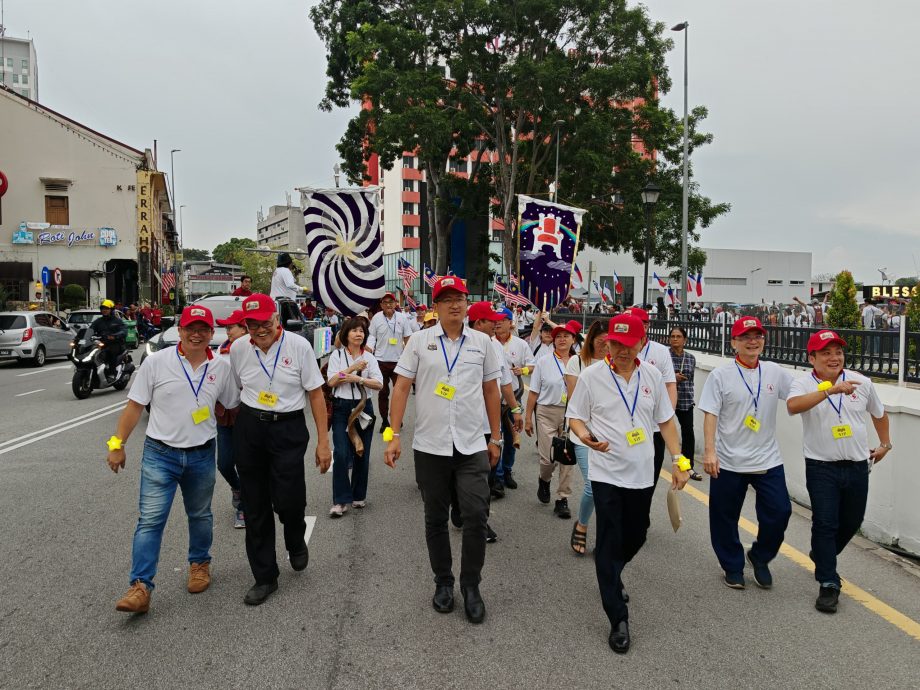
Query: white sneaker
(338, 510)
(359, 504)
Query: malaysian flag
(405, 271)
(513, 279)
(169, 279)
(511, 294)
(430, 277)
(411, 302)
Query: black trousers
(658, 440)
(687, 435)
(388, 370)
(622, 523)
(436, 475)
(269, 458)
(111, 352)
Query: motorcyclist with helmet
(112, 332)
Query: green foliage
(260, 267)
(168, 310)
(231, 252)
(196, 255)
(73, 296)
(913, 310)
(844, 312)
(909, 282)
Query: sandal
(579, 541)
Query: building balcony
(411, 242)
(412, 197)
(412, 174)
(414, 219)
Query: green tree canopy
(844, 312)
(231, 251)
(196, 255)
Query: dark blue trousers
(838, 492)
(726, 498)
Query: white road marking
(43, 370)
(26, 439)
(311, 523)
(39, 390)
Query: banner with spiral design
(344, 246)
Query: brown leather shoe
(199, 577)
(135, 600)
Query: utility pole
(685, 206)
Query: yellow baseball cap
(108, 303)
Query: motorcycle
(89, 366)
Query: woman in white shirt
(592, 351)
(549, 396)
(351, 367)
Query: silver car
(33, 336)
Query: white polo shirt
(517, 352)
(818, 422)
(574, 368)
(340, 360)
(386, 336)
(161, 383)
(505, 379)
(441, 424)
(659, 357)
(296, 371)
(729, 394)
(548, 381)
(597, 402)
(283, 284)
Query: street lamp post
(182, 290)
(650, 194)
(172, 181)
(684, 26)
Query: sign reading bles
(890, 291)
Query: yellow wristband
(114, 443)
(824, 385)
(388, 434)
(683, 464)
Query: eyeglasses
(259, 325)
(452, 300)
(198, 331)
(750, 337)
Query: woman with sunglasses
(684, 366)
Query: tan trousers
(550, 423)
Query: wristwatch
(886, 446)
(497, 442)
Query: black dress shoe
(510, 483)
(543, 491)
(562, 509)
(257, 594)
(443, 599)
(498, 490)
(827, 599)
(299, 560)
(491, 537)
(619, 637)
(455, 518)
(473, 604)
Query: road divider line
(878, 607)
(43, 370)
(18, 439)
(38, 390)
(310, 520)
(3, 451)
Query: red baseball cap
(389, 295)
(483, 310)
(572, 327)
(194, 313)
(747, 323)
(626, 329)
(258, 307)
(235, 318)
(448, 283)
(639, 313)
(421, 307)
(821, 339)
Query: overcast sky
(814, 106)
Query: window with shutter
(57, 210)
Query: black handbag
(564, 449)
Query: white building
(743, 276)
(19, 65)
(282, 228)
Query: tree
(196, 255)
(906, 281)
(73, 296)
(261, 267)
(231, 252)
(844, 312)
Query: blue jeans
(726, 498)
(344, 490)
(225, 458)
(586, 507)
(163, 469)
(838, 492)
(506, 461)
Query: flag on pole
(661, 284)
(699, 284)
(671, 296)
(691, 287)
(617, 284)
(547, 241)
(600, 292)
(511, 293)
(608, 296)
(411, 302)
(513, 279)
(577, 280)
(430, 277)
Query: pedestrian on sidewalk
(351, 367)
(453, 367)
(276, 374)
(684, 370)
(739, 401)
(833, 402)
(183, 385)
(389, 332)
(549, 396)
(235, 326)
(614, 406)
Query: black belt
(203, 446)
(268, 415)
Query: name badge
(565, 397)
(268, 398)
(842, 431)
(201, 414)
(392, 341)
(635, 436)
(444, 390)
(752, 423)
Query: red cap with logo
(448, 283)
(626, 329)
(483, 310)
(235, 318)
(821, 339)
(258, 307)
(638, 312)
(747, 323)
(572, 327)
(389, 295)
(421, 307)
(194, 313)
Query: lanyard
(632, 411)
(838, 408)
(195, 391)
(354, 395)
(759, 380)
(556, 360)
(645, 354)
(450, 367)
(391, 325)
(270, 376)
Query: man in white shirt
(453, 368)
(277, 371)
(389, 332)
(739, 401)
(182, 385)
(615, 405)
(833, 403)
(520, 361)
(283, 283)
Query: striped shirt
(684, 364)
